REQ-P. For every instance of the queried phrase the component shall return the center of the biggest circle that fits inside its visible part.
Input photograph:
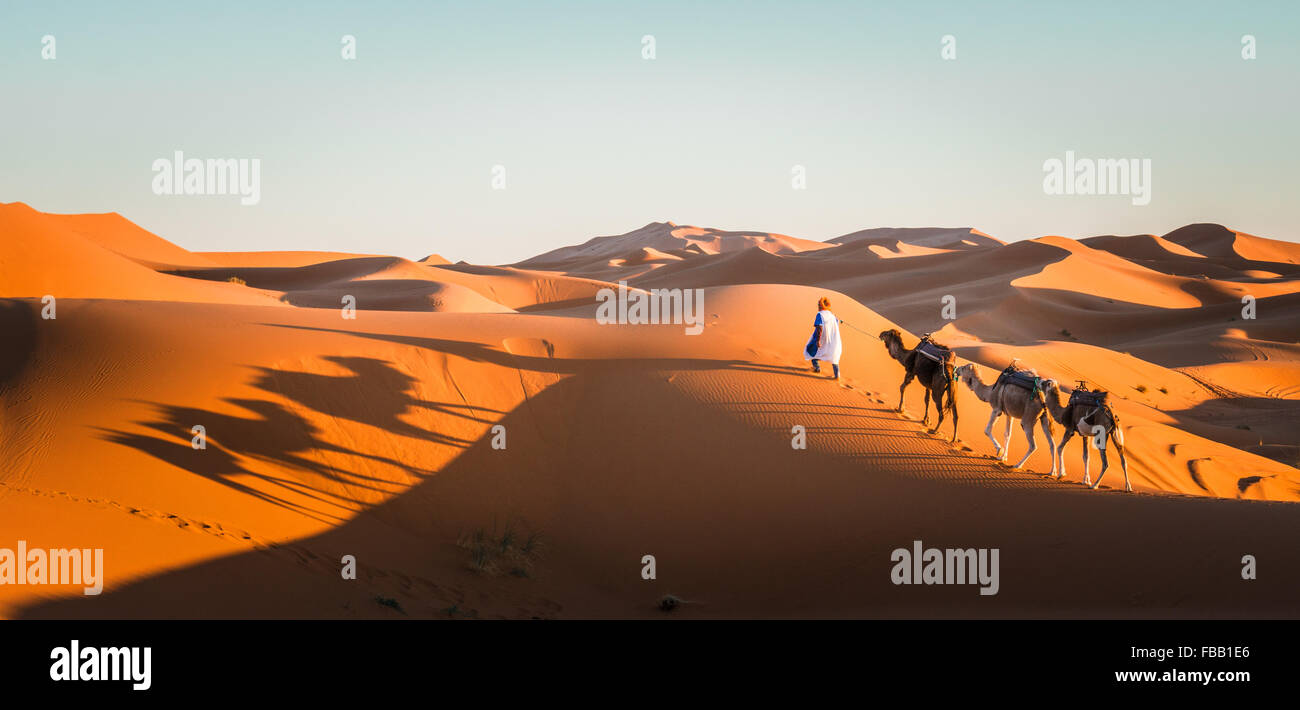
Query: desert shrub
(508, 552)
(390, 603)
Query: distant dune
(915, 240)
(375, 435)
(661, 241)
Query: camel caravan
(1016, 394)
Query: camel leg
(907, 380)
(1027, 425)
(988, 431)
(952, 403)
(940, 408)
(1006, 437)
(1060, 449)
(925, 421)
(1045, 421)
(1118, 438)
(1104, 464)
(1087, 475)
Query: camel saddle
(1025, 379)
(933, 351)
(1088, 398)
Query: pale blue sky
(392, 152)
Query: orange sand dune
(375, 283)
(1140, 246)
(1229, 256)
(46, 255)
(377, 436)
(519, 288)
(645, 255)
(1213, 240)
(1098, 273)
(117, 234)
(665, 237)
(276, 259)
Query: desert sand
(373, 436)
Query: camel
(1095, 424)
(937, 379)
(1016, 402)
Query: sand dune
(519, 288)
(374, 436)
(645, 255)
(1268, 260)
(1140, 246)
(1213, 240)
(375, 283)
(46, 255)
(276, 259)
(910, 241)
(666, 237)
(117, 234)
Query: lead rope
(860, 330)
(949, 371)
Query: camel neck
(981, 390)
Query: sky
(394, 151)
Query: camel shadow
(19, 322)
(374, 394)
(600, 476)
(480, 352)
(534, 480)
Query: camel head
(965, 373)
(893, 341)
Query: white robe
(830, 347)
